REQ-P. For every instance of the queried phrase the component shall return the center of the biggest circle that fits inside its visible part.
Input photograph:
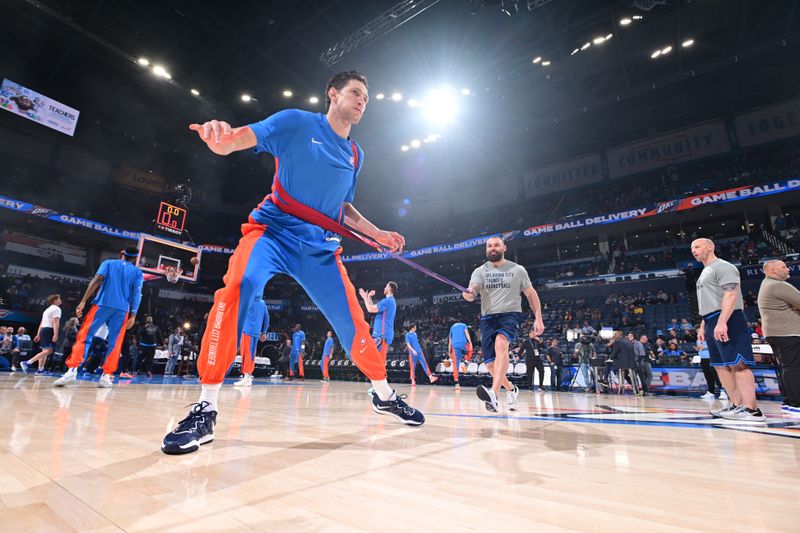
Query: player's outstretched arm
(222, 139)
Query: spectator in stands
(21, 338)
(661, 297)
(686, 327)
(7, 342)
(556, 364)
(673, 326)
(673, 355)
(587, 329)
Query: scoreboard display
(171, 218)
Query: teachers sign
(36, 107)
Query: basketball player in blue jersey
(255, 329)
(296, 356)
(459, 346)
(416, 356)
(327, 352)
(317, 164)
(118, 284)
(385, 311)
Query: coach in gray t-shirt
(716, 277)
(500, 287)
(500, 283)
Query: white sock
(209, 393)
(382, 389)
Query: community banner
(562, 176)
(673, 148)
(37, 107)
(768, 124)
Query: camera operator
(533, 360)
(624, 359)
(585, 352)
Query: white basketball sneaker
(246, 381)
(511, 398)
(68, 377)
(106, 381)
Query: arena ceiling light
(537, 59)
(655, 54)
(625, 21)
(687, 43)
(396, 97)
(667, 49)
(380, 96)
(465, 91)
(404, 148)
(287, 93)
(441, 106)
(545, 63)
(599, 40)
(246, 98)
(586, 45)
(608, 37)
(161, 72)
(413, 103)
(194, 92)
(415, 143)
(143, 61)
(575, 51)
(313, 100)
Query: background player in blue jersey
(255, 329)
(459, 346)
(327, 352)
(416, 356)
(385, 311)
(118, 284)
(298, 347)
(316, 169)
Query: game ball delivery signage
(38, 108)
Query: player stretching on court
(255, 329)
(385, 311)
(459, 346)
(119, 291)
(296, 356)
(415, 355)
(316, 169)
(499, 283)
(327, 352)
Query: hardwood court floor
(313, 456)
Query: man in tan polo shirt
(779, 303)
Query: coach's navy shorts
(506, 324)
(738, 349)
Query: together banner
(670, 206)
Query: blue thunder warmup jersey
(122, 286)
(257, 321)
(290, 135)
(328, 349)
(411, 338)
(458, 336)
(383, 326)
(298, 338)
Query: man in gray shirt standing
(779, 304)
(724, 327)
(499, 283)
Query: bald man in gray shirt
(500, 283)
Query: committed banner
(140, 179)
(562, 176)
(674, 148)
(37, 107)
(768, 124)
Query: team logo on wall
(43, 212)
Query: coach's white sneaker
(106, 381)
(68, 377)
(511, 398)
(707, 396)
(722, 395)
(744, 414)
(246, 381)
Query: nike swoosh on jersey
(313, 140)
